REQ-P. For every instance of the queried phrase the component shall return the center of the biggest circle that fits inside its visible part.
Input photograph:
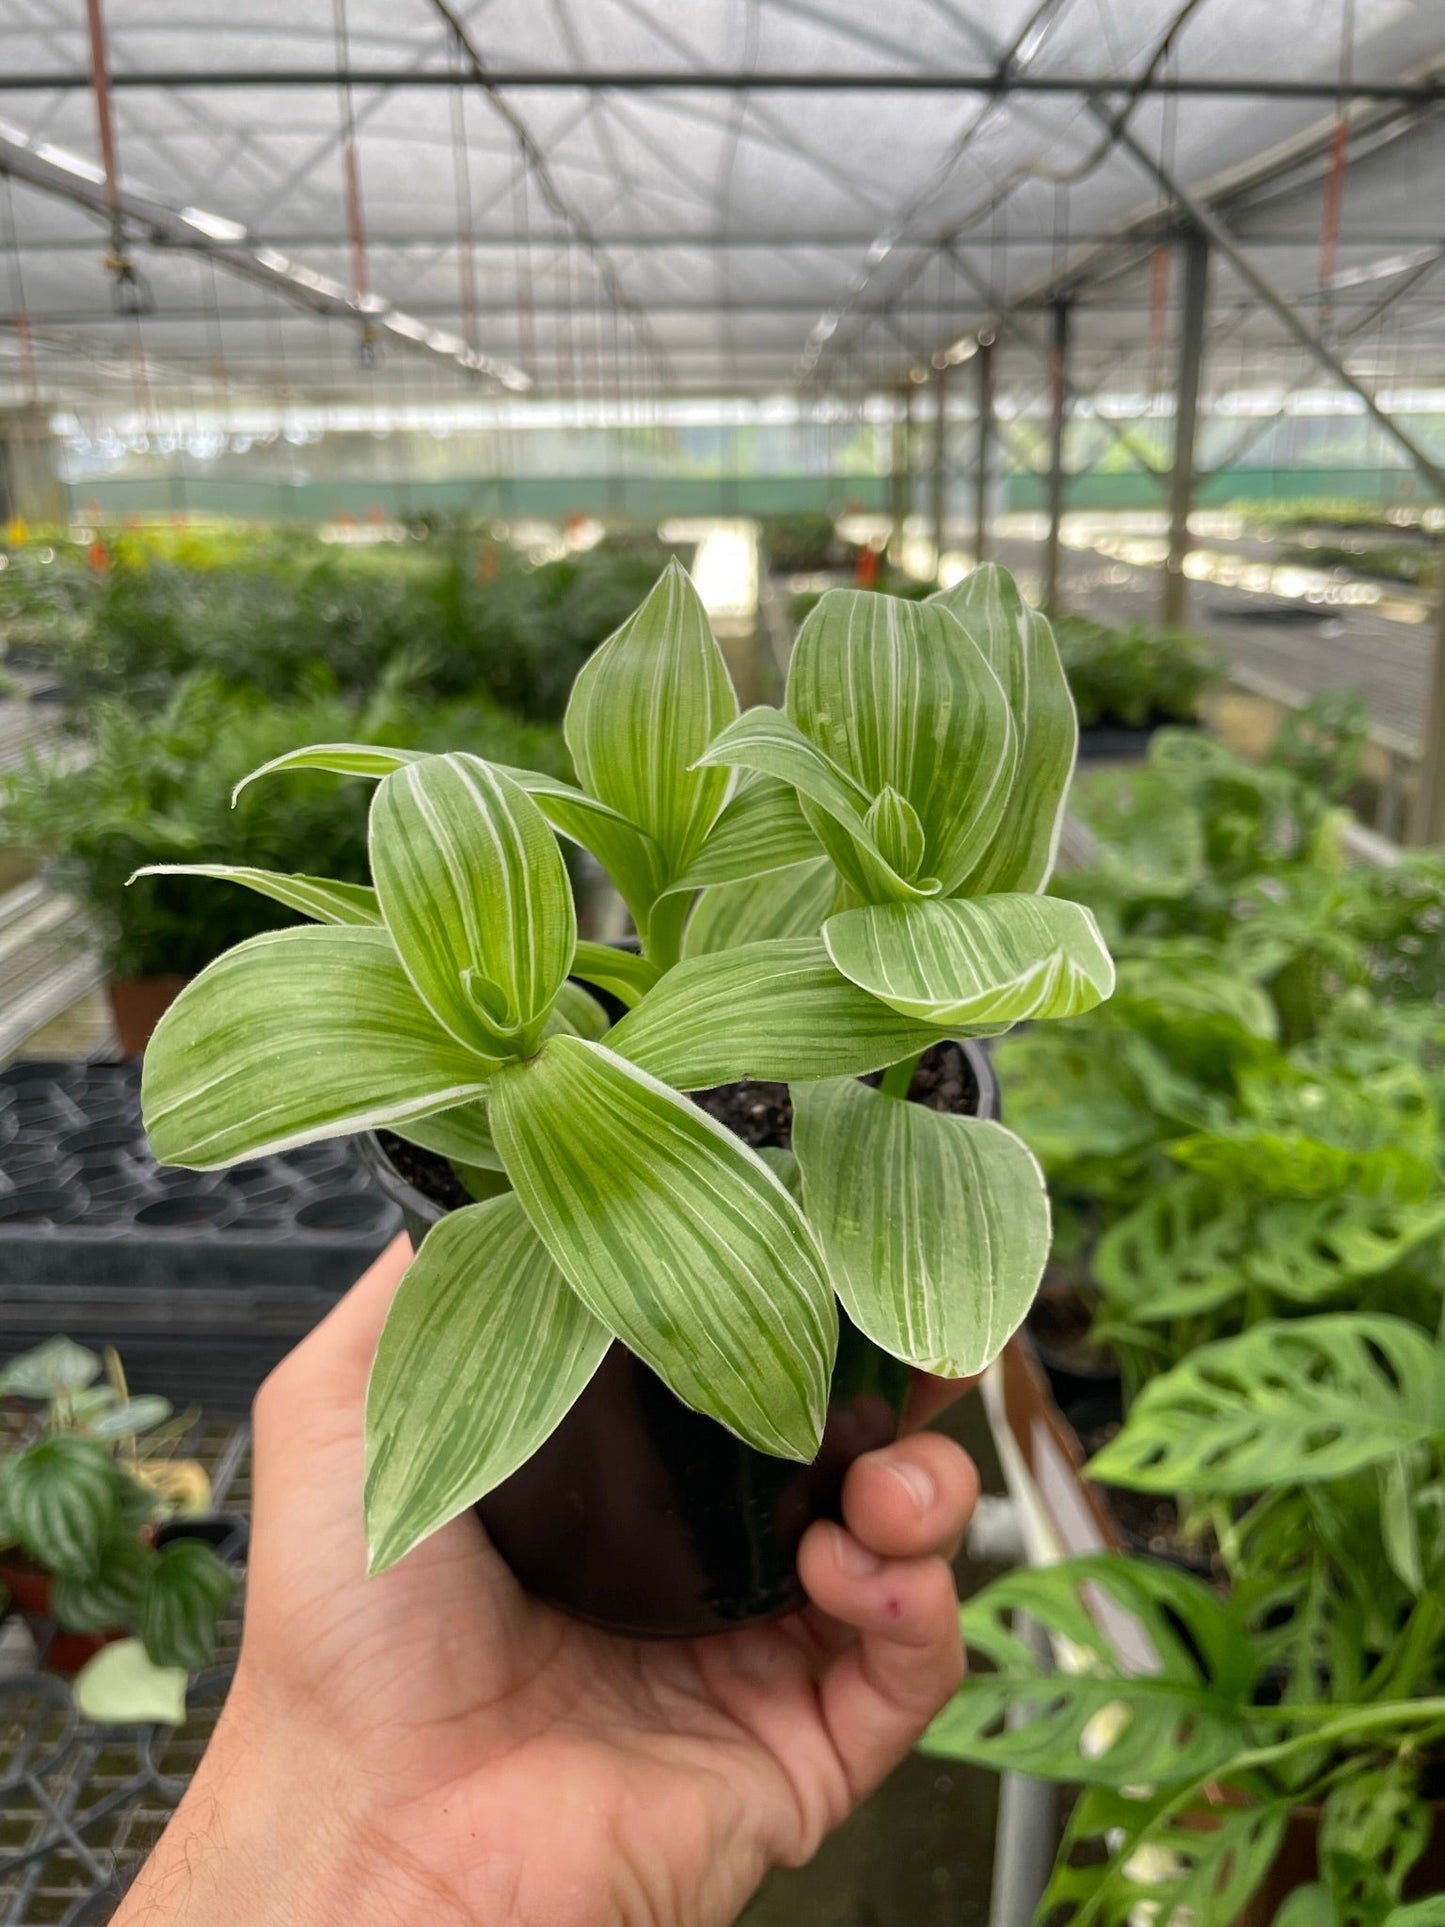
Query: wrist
(272, 1832)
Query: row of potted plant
(1245, 1154)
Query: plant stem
(662, 944)
(1405, 1658)
(898, 1077)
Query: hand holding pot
(434, 1746)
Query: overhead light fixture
(277, 263)
(72, 163)
(215, 227)
(370, 303)
(407, 325)
(964, 349)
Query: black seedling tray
(194, 1275)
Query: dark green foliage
(158, 790)
(799, 544)
(1135, 675)
(266, 610)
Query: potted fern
(621, 1330)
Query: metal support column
(940, 465)
(1058, 420)
(901, 484)
(984, 456)
(1186, 418)
(1427, 821)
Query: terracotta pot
(31, 1588)
(646, 1518)
(138, 1004)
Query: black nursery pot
(639, 1514)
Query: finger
(928, 1396)
(334, 1360)
(878, 1696)
(911, 1498)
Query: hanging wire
(1335, 180)
(526, 304)
(351, 176)
(466, 233)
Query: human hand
(433, 1746)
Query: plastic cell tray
(99, 1241)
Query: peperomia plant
(1197, 1723)
(84, 1472)
(882, 852)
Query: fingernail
(917, 1483)
(854, 1559)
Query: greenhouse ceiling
(401, 203)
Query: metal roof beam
(682, 80)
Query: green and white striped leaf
(935, 1228)
(321, 898)
(643, 709)
(832, 803)
(1288, 1402)
(484, 1351)
(894, 826)
(577, 1013)
(292, 1036)
(1020, 649)
(477, 899)
(777, 1009)
(62, 1502)
(761, 829)
(900, 696)
(463, 1134)
(786, 903)
(625, 973)
(342, 759)
(677, 1237)
(985, 960)
(628, 855)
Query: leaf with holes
(1285, 1403)
(1157, 1690)
(935, 1228)
(485, 1349)
(1182, 1252)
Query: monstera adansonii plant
(820, 892)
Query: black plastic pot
(644, 1517)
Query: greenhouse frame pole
(901, 485)
(1058, 421)
(1175, 603)
(1427, 821)
(984, 458)
(940, 466)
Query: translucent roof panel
(714, 212)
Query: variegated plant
(818, 894)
